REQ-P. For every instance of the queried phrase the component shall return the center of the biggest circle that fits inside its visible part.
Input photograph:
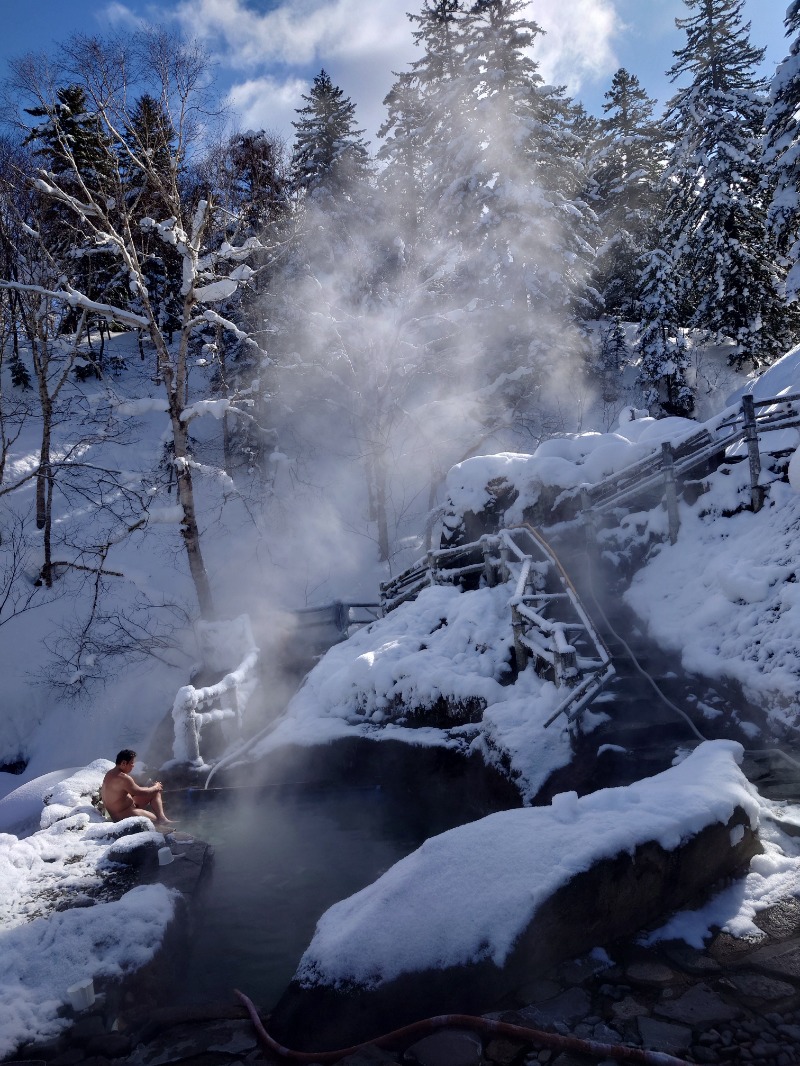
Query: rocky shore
(737, 1001)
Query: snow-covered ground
(724, 596)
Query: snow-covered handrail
(743, 422)
(536, 636)
(189, 717)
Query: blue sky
(268, 50)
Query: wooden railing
(666, 464)
(550, 626)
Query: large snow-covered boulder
(479, 911)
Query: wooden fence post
(489, 566)
(751, 437)
(670, 491)
(521, 652)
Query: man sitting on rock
(123, 798)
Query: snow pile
(443, 646)
(727, 595)
(75, 793)
(45, 949)
(561, 463)
(447, 905)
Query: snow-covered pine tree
(626, 163)
(782, 154)
(663, 357)
(71, 140)
(149, 135)
(330, 155)
(714, 231)
(507, 184)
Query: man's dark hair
(125, 755)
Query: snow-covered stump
(222, 644)
(482, 910)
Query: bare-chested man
(123, 798)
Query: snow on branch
(181, 463)
(75, 298)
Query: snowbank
(66, 865)
(445, 905)
(560, 463)
(726, 596)
(445, 646)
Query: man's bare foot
(167, 821)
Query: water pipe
(488, 1026)
(240, 748)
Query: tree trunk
(379, 503)
(189, 528)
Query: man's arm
(143, 791)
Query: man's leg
(158, 807)
(143, 813)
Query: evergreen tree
(782, 155)
(626, 165)
(330, 155)
(150, 165)
(715, 216)
(74, 149)
(663, 356)
(612, 358)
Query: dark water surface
(282, 857)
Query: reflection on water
(281, 859)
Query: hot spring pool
(282, 857)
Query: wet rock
(781, 960)
(703, 1054)
(604, 1034)
(504, 1052)
(729, 950)
(664, 1036)
(700, 1006)
(628, 1008)
(576, 971)
(689, 959)
(536, 991)
(650, 973)
(450, 1047)
(569, 1008)
(139, 850)
(781, 921)
(761, 986)
(233, 1038)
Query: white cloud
(267, 103)
(297, 32)
(579, 41)
(270, 56)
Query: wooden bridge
(551, 628)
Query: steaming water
(282, 857)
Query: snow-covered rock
(481, 909)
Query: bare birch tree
(113, 76)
